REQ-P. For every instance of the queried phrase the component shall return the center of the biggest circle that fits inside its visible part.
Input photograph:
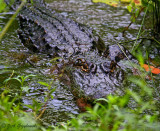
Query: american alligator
(91, 69)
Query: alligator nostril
(78, 62)
(92, 68)
(47, 46)
(119, 57)
(56, 48)
(104, 67)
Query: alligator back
(42, 30)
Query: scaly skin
(51, 33)
(92, 70)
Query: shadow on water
(108, 21)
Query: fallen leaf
(114, 5)
(151, 68)
(137, 1)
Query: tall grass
(11, 20)
(156, 16)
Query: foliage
(150, 5)
(135, 7)
(12, 18)
(12, 118)
(156, 16)
(12, 114)
(122, 3)
(2, 6)
(113, 114)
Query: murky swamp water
(109, 23)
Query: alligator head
(97, 75)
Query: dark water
(109, 23)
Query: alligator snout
(108, 66)
(115, 53)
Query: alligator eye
(82, 64)
(84, 67)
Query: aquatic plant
(156, 16)
(136, 7)
(114, 115)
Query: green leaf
(2, 5)
(135, 96)
(29, 106)
(129, 8)
(133, 18)
(137, 12)
(52, 97)
(51, 91)
(12, 79)
(31, 2)
(29, 76)
(102, 99)
(25, 89)
(116, 107)
(44, 83)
